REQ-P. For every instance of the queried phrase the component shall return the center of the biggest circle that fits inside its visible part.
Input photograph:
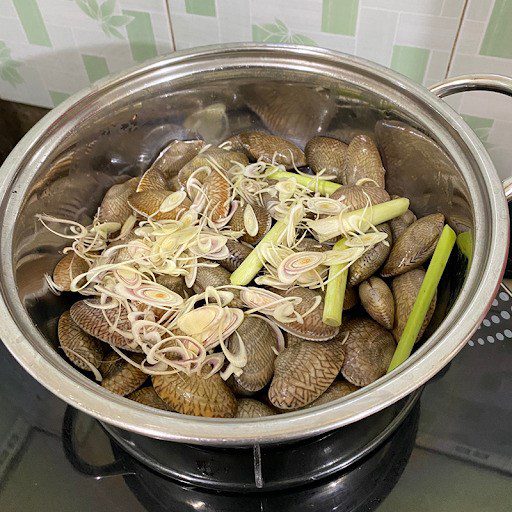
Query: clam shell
(371, 260)
(356, 196)
(369, 349)
(212, 156)
(68, 267)
(326, 153)
(415, 245)
(74, 340)
(271, 148)
(218, 193)
(175, 283)
(119, 376)
(195, 395)
(237, 254)
(351, 298)
(147, 204)
(363, 161)
(303, 372)
(259, 339)
(377, 299)
(115, 207)
(338, 389)
(152, 180)
(92, 321)
(175, 155)
(399, 224)
(250, 408)
(264, 223)
(313, 327)
(405, 290)
(310, 244)
(148, 396)
(215, 276)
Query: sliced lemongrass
(358, 220)
(250, 267)
(172, 201)
(311, 182)
(335, 292)
(268, 280)
(366, 240)
(250, 221)
(151, 294)
(340, 256)
(298, 263)
(199, 322)
(216, 361)
(190, 278)
(324, 206)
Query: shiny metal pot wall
(67, 161)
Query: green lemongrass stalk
(315, 184)
(358, 220)
(465, 244)
(335, 292)
(425, 295)
(247, 271)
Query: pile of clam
(158, 319)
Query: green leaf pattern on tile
(8, 66)
(278, 32)
(104, 13)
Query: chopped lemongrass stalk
(335, 292)
(424, 298)
(314, 183)
(247, 271)
(172, 201)
(250, 221)
(358, 220)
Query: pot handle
(70, 450)
(481, 82)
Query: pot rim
(480, 287)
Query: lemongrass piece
(247, 271)
(427, 290)
(358, 220)
(335, 292)
(314, 183)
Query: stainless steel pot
(66, 162)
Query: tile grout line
(168, 9)
(456, 39)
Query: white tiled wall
(52, 48)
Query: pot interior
(118, 128)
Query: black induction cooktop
(453, 452)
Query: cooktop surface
(453, 452)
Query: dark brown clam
(351, 298)
(313, 327)
(338, 389)
(174, 283)
(250, 408)
(326, 153)
(152, 180)
(399, 224)
(310, 244)
(378, 301)
(363, 162)
(68, 268)
(115, 207)
(218, 194)
(369, 349)
(195, 395)
(264, 223)
(209, 158)
(357, 196)
(271, 148)
(93, 322)
(121, 377)
(237, 254)
(175, 155)
(415, 245)
(303, 372)
(148, 396)
(78, 345)
(259, 340)
(148, 203)
(405, 290)
(371, 260)
(216, 277)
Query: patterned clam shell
(378, 301)
(68, 268)
(121, 377)
(250, 408)
(326, 153)
(363, 162)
